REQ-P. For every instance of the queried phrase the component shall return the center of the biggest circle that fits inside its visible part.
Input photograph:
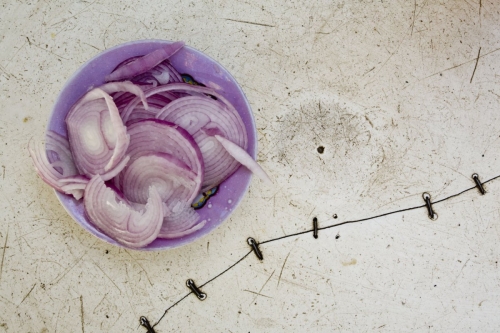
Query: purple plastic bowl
(187, 61)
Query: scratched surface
(402, 95)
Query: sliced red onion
(169, 150)
(182, 220)
(175, 76)
(166, 233)
(217, 169)
(145, 63)
(176, 184)
(75, 189)
(182, 88)
(96, 133)
(97, 136)
(172, 178)
(182, 138)
(74, 179)
(116, 170)
(203, 117)
(153, 77)
(156, 103)
(242, 156)
(47, 172)
(111, 88)
(117, 219)
(141, 114)
(162, 74)
(59, 154)
(156, 136)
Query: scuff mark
(475, 67)
(68, 269)
(113, 282)
(29, 292)
(256, 293)
(83, 10)
(3, 253)
(453, 67)
(414, 15)
(137, 262)
(82, 313)
(100, 302)
(454, 281)
(369, 121)
(248, 22)
(282, 267)
(269, 278)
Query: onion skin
(120, 221)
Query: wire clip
(478, 183)
(145, 323)
(200, 294)
(255, 248)
(315, 228)
(427, 198)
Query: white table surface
(385, 86)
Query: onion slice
(145, 63)
(183, 88)
(49, 173)
(117, 219)
(203, 117)
(111, 88)
(59, 154)
(156, 136)
(181, 221)
(242, 156)
(97, 136)
(172, 179)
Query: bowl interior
(187, 61)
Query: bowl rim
(63, 198)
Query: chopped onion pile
(142, 147)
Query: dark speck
(338, 236)
(107, 251)
(435, 285)
(335, 216)
(321, 149)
